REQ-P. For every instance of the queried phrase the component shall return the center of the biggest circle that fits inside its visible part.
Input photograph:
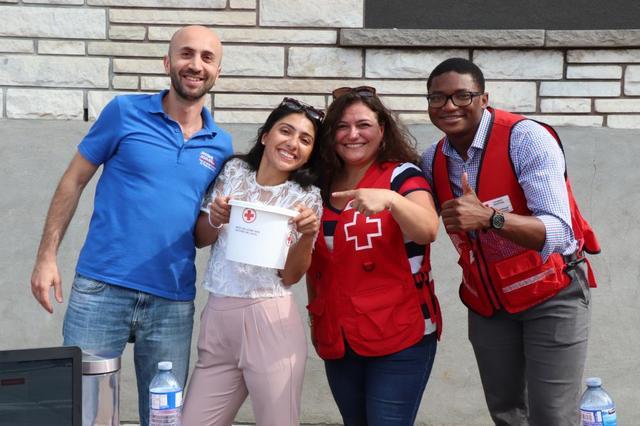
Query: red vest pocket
(523, 280)
(385, 312)
(325, 331)
(522, 263)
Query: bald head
(196, 33)
(193, 62)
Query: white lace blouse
(228, 278)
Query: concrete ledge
(488, 38)
(592, 38)
(179, 4)
(441, 38)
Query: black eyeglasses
(459, 99)
(364, 91)
(296, 105)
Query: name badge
(502, 204)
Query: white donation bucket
(259, 234)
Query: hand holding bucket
(306, 222)
(259, 234)
(219, 212)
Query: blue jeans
(384, 390)
(102, 318)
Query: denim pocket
(87, 285)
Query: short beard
(182, 93)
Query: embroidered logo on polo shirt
(207, 160)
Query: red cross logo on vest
(248, 215)
(364, 232)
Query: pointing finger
(345, 194)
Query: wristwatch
(497, 220)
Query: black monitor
(41, 387)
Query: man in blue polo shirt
(135, 275)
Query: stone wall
(64, 59)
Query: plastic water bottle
(596, 406)
(165, 397)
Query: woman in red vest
(374, 315)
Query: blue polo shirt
(147, 200)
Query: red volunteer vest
(498, 273)
(365, 291)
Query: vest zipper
(485, 277)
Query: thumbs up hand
(466, 188)
(465, 213)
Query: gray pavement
(605, 176)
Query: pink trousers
(254, 347)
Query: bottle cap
(594, 382)
(165, 365)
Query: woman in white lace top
(251, 337)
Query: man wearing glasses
(499, 181)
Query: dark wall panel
(503, 14)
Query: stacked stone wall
(64, 59)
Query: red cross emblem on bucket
(249, 215)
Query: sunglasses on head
(364, 91)
(296, 105)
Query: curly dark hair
(307, 174)
(397, 143)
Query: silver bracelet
(212, 225)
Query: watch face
(497, 220)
